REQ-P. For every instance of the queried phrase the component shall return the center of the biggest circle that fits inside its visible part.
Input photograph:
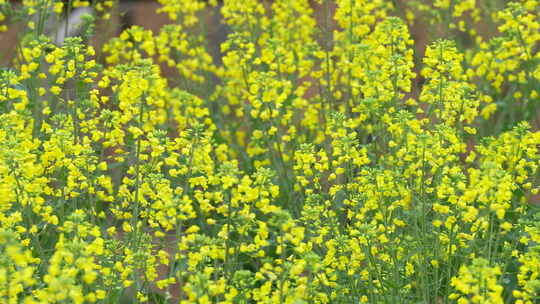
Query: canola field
(335, 151)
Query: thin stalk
(137, 172)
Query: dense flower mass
(331, 152)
